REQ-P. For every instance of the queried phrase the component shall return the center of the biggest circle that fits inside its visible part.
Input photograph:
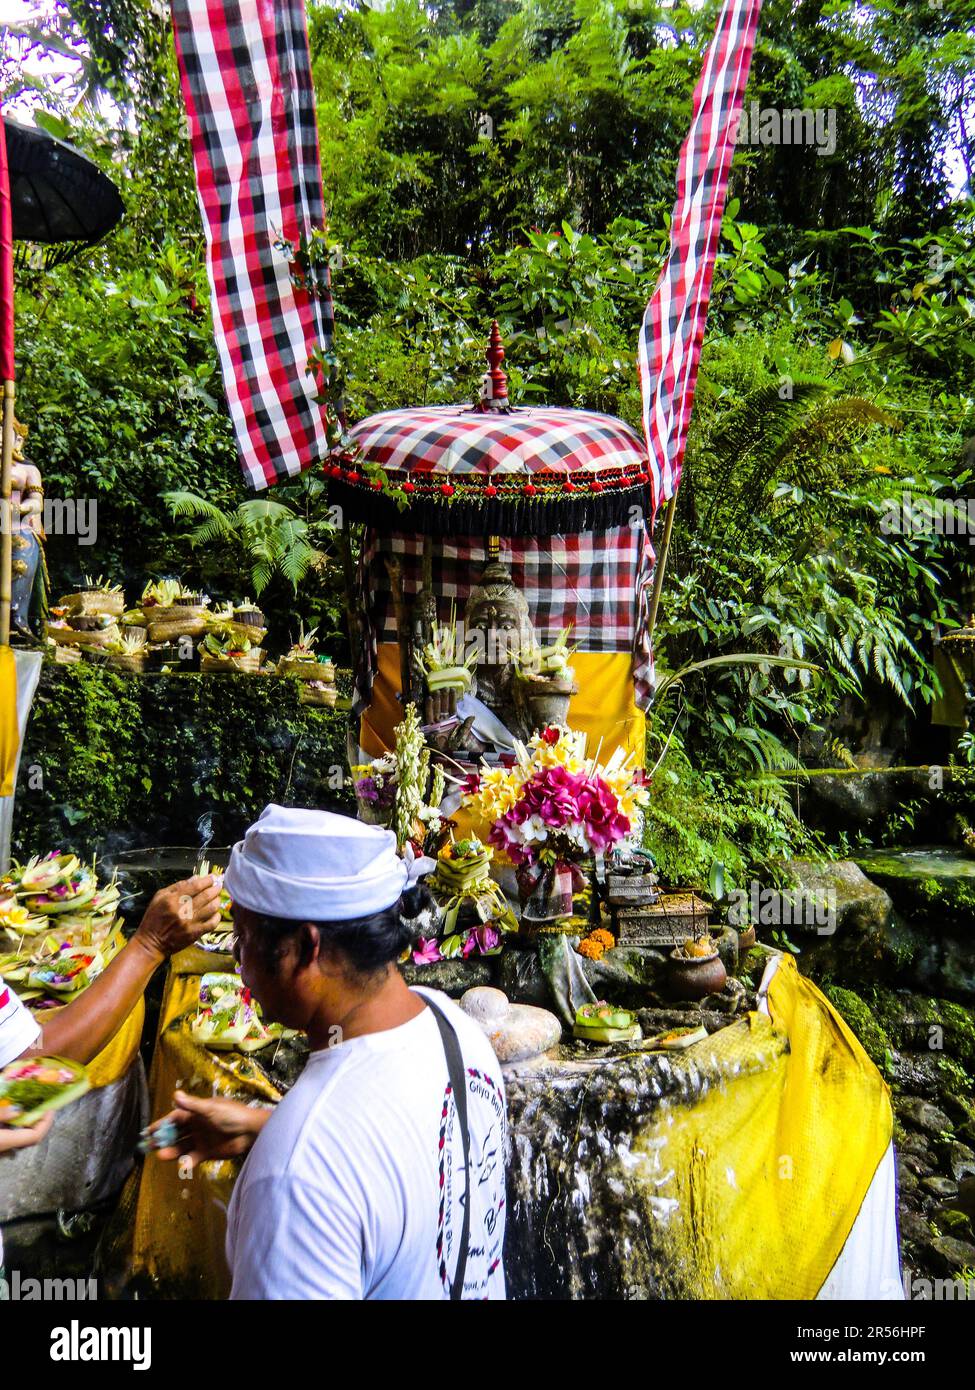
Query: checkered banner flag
(673, 324)
(246, 79)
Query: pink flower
(428, 950)
(471, 784)
(488, 937)
(601, 815)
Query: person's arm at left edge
(175, 917)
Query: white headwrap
(314, 866)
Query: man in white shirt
(357, 1185)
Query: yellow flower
(14, 917)
(499, 790)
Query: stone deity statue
(26, 519)
(497, 617)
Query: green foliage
(274, 538)
(697, 816)
(127, 761)
(518, 161)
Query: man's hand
(211, 1127)
(179, 914)
(11, 1139)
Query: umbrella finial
(494, 383)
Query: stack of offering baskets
(171, 611)
(58, 927)
(224, 650)
(316, 673)
(87, 619)
(128, 652)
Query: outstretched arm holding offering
(175, 917)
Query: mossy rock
(918, 1022)
(864, 1022)
(926, 883)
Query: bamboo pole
(661, 565)
(6, 517)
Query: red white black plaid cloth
(596, 583)
(449, 440)
(673, 325)
(525, 472)
(246, 79)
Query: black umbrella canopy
(60, 199)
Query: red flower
(643, 477)
(353, 477)
(529, 490)
(490, 490)
(595, 487)
(376, 484)
(471, 784)
(551, 734)
(569, 487)
(409, 487)
(446, 489)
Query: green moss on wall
(863, 1022)
(122, 761)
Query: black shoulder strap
(458, 1083)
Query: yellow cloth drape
(604, 707)
(9, 728)
(767, 1173)
(180, 1220)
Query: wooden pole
(6, 516)
(658, 574)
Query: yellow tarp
(604, 707)
(751, 1191)
(180, 1219)
(9, 728)
(759, 1183)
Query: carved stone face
(498, 619)
(497, 612)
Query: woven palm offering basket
(311, 695)
(89, 603)
(132, 663)
(68, 637)
(249, 662)
(307, 670)
(179, 620)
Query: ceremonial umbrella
(59, 199)
(53, 196)
(491, 468)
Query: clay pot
(692, 977)
(746, 940)
(249, 617)
(545, 702)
